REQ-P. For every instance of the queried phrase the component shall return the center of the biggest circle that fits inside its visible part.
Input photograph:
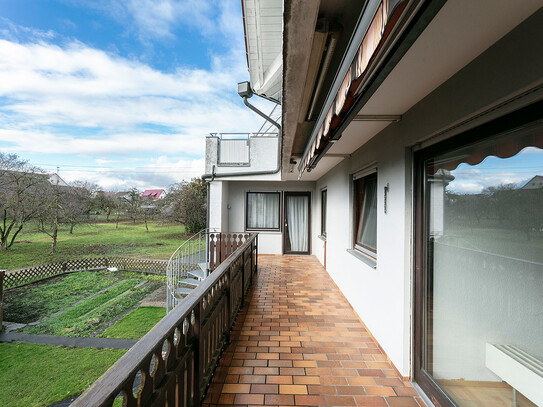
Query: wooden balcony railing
(174, 362)
(222, 245)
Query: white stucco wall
(270, 242)
(382, 297)
(262, 157)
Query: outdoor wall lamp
(244, 89)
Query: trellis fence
(21, 277)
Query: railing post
(197, 349)
(242, 278)
(228, 289)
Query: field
(94, 240)
(39, 375)
(100, 304)
(81, 304)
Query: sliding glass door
(479, 278)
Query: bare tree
(186, 203)
(106, 204)
(76, 203)
(21, 196)
(133, 203)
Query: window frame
(247, 228)
(358, 212)
(509, 122)
(324, 208)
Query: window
(365, 211)
(479, 265)
(262, 211)
(323, 212)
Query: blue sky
(120, 92)
(494, 171)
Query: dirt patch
(155, 299)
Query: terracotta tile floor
(298, 342)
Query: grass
(94, 240)
(93, 314)
(136, 324)
(39, 375)
(30, 303)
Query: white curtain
(298, 222)
(367, 228)
(262, 211)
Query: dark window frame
(324, 206)
(507, 123)
(247, 228)
(359, 192)
(285, 229)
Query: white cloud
(74, 87)
(159, 173)
(158, 19)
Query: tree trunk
(145, 218)
(117, 222)
(54, 238)
(72, 228)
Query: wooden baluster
(223, 247)
(198, 351)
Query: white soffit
(264, 31)
(460, 32)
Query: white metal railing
(243, 136)
(191, 256)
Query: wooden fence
(1, 297)
(176, 358)
(25, 276)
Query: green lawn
(30, 303)
(39, 375)
(94, 240)
(81, 316)
(136, 324)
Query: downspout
(210, 177)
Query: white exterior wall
(262, 157)
(234, 195)
(382, 297)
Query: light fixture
(244, 89)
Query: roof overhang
(263, 24)
(441, 39)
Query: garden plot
(78, 305)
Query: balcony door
(479, 265)
(296, 233)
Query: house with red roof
(154, 194)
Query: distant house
(153, 194)
(535, 183)
(55, 179)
